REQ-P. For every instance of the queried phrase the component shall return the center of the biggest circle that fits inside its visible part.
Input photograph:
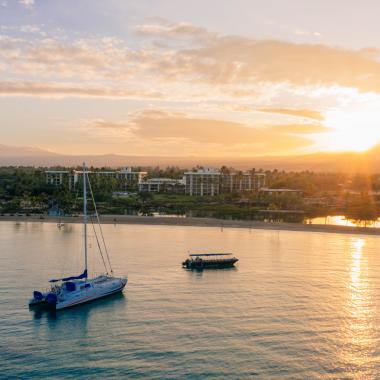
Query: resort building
(130, 176)
(202, 182)
(212, 182)
(126, 177)
(259, 181)
(238, 182)
(157, 185)
(58, 177)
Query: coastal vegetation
(24, 190)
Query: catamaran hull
(66, 304)
(35, 303)
(96, 291)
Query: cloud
(240, 60)
(224, 60)
(30, 29)
(188, 63)
(217, 135)
(302, 32)
(298, 129)
(61, 90)
(165, 29)
(92, 60)
(27, 3)
(303, 113)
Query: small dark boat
(209, 260)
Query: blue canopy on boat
(83, 275)
(210, 254)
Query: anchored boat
(209, 260)
(74, 290)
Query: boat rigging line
(98, 243)
(100, 226)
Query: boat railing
(210, 256)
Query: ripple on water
(298, 305)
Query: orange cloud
(303, 113)
(59, 90)
(239, 60)
(298, 128)
(166, 29)
(233, 59)
(218, 135)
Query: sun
(352, 130)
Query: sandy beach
(199, 222)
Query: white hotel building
(157, 185)
(58, 177)
(211, 182)
(126, 176)
(202, 182)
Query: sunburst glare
(352, 130)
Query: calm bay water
(298, 305)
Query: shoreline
(200, 222)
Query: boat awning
(83, 275)
(210, 254)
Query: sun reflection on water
(341, 220)
(358, 332)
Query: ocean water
(298, 305)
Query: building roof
(211, 171)
(161, 180)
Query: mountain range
(368, 161)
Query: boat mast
(85, 217)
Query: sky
(233, 78)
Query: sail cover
(83, 275)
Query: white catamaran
(75, 290)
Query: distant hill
(332, 162)
(23, 151)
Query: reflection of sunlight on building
(358, 331)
